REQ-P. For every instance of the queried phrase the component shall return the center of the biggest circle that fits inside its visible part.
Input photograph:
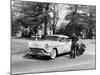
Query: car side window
(60, 39)
(67, 39)
(64, 39)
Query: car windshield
(54, 38)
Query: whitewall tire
(53, 54)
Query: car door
(67, 44)
(61, 46)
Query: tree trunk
(46, 21)
(45, 26)
(53, 30)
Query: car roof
(58, 35)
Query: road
(21, 63)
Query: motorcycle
(80, 49)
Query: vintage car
(52, 45)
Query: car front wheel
(53, 54)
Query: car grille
(36, 50)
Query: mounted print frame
(52, 37)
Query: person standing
(74, 43)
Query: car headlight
(46, 46)
(27, 44)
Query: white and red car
(50, 45)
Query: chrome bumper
(38, 51)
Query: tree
(80, 21)
(54, 19)
(31, 14)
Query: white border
(82, 2)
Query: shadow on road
(27, 56)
